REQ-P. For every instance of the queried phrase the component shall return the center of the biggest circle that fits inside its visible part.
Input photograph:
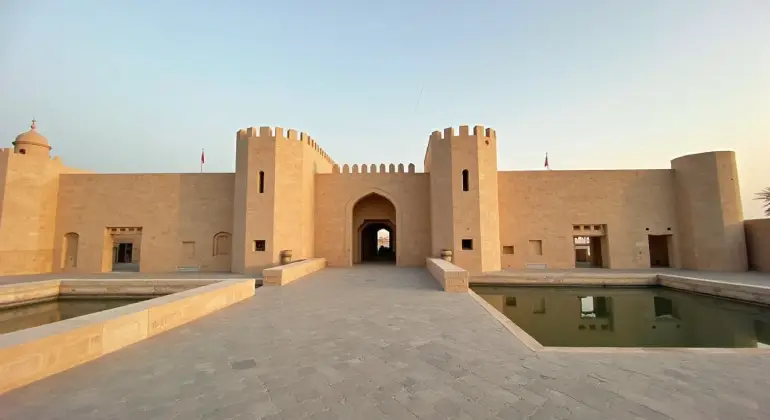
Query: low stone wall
(12, 295)
(125, 288)
(745, 292)
(32, 354)
(285, 274)
(450, 277)
(758, 244)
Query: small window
(510, 301)
(467, 244)
(465, 180)
(508, 249)
(261, 182)
(23, 151)
(259, 245)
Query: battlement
(279, 133)
(374, 169)
(464, 131)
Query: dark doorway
(659, 246)
(377, 242)
(589, 251)
(123, 253)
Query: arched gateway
(374, 231)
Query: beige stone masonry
(450, 277)
(24, 293)
(35, 353)
(758, 244)
(285, 274)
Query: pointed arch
(351, 232)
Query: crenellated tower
(274, 191)
(464, 196)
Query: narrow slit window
(261, 182)
(465, 180)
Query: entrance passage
(589, 251)
(374, 230)
(375, 243)
(122, 247)
(659, 246)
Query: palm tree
(764, 196)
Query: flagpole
(203, 159)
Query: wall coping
(450, 277)
(284, 274)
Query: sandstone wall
(758, 244)
(336, 195)
(179, 216)
(545, 205)
(28, 189)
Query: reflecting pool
(36, 314)
(630, 317)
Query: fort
(287, 194)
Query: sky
(143, 86)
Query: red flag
(203, 157)
(546, 162)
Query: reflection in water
(630, 317)
(36, 314)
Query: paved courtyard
(382, 342)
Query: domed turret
(31, 142)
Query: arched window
(23, 151)
(465, 180)
(222, 244)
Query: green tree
(764, 196)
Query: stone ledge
(450, 277)
(285, 274)
(35, 353)
(745, 292)
(12, 295)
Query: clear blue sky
(142, 86)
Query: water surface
(36, 314)
(630, 317)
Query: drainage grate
(243, 364)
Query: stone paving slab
(383, 343)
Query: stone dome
(31, 138)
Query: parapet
(374, 169)
(279, 133)
(464, 131)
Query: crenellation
(462, 131)
(266, 132)
(292, 134)
(279, 134)
(373, 168)
(336, 169)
